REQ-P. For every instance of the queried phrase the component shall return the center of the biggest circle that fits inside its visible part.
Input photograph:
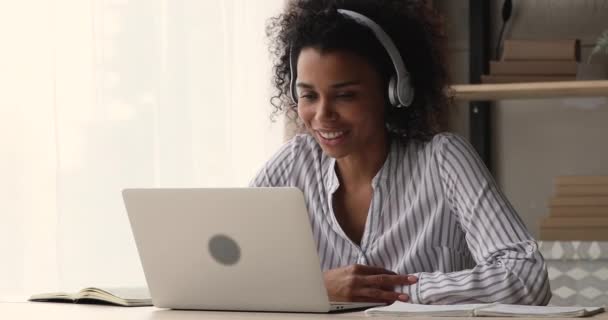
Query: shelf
(533, 90)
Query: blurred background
(99, 95)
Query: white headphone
(400, 91)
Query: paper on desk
(408, 309)
(487, 310)
(537, 311)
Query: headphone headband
(401, 93)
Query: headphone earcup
(393, 94)
(407, 97)
(407, 93)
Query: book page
(123, 296)
(52, 295)
(402, 308)
(505, 310)
(536, 311)
(125, 293)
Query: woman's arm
(509, 267)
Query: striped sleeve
(509, 267)
(277, 171)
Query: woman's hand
(365, 284)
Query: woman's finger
(367, 299)
(386, 280)
(378, 294)
(363, 269)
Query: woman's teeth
(331, 135)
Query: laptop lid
(227, 249)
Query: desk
(65, 311)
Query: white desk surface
(68, 311)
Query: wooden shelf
(533, 90)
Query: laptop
(241, 249)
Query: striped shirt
(436, 212)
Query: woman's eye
(346, 95)
(307, 96)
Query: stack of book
(578, 209)
(535, 61)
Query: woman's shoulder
(449, 146)
(440, 142)
(443, 146)
(302, 142)
(447, 137)
(449, 140)
(299, 145)
(279, 169)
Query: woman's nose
(326, 110)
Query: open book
(401, 309)
(126, 297)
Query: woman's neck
(358, 169)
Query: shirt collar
(380, 179)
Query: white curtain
(100, 95)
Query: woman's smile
(332, 138)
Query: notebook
(401, 309)
(126, 297)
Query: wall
(536, 140)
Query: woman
(399, 211)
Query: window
(100, 95)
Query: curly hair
(416, 30)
